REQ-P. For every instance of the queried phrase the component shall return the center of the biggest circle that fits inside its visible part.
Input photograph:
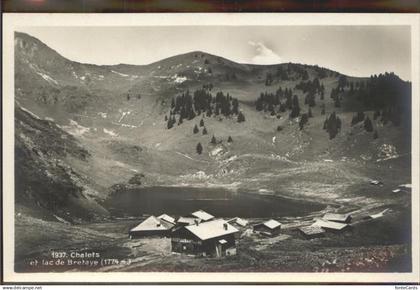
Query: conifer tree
(375, 134)
(213, 140)
(303, 121)
(230, 140)
(202, 123)
(241, 117)
(310, 113)
(199, 148)
(195, 130)
(295, 108)
(204, 131)
(368, 124)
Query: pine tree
(204, 131)
(166, 118)
(303, 121)
(368, 124)
(241, 117)
(195, 130)
(295, 108)
(199, 148)
(202, 123)
(279, 128)
(375, 134)
(337, 103)
(230, 140)
(213, 140)
(310, 113)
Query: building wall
(191, 245)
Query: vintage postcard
(244, 148)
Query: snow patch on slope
(110, 132)
(76, 129)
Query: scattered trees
(188, 105)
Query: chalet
(212, 238)
(331, 226)
(202, 215)
(238, 222)
(311, 232)
(269, 228)
(152, 226)
(335, 217)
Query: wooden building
(335, 217)
(331, 226)
(152, 226)
(311, 232)
(212, 238)
(268, 228)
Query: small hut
(331, 226)
(268, 228)
(335, 217)
(311, 232)
(152, 226)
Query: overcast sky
(353, 50)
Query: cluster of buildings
(197, 234)
(202, 234)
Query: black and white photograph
(191, 148)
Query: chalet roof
(167, 218)
(330, 225)
(241, 222)
(272, 224)
(378, 215)
(151, 224)
(202, 215)
(336, 217)
(211, 229)
(312, 230)
(186, 220)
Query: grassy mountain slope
(117, 114)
